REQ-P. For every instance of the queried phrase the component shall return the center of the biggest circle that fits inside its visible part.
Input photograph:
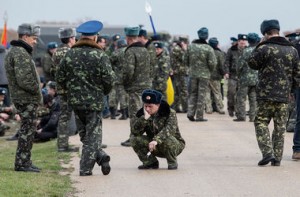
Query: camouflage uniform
(201, 60)
(136, 76)
(161, 127)
(214, 88)
(26, 95)
(278, 70)
(152, 53)
(86, 74)
(65, 110)
(180, 72)
(230, 67)
(47, 64)
(247, 80)
(161, 73)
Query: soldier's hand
(152, 145)
(146, 115)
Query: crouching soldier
(155, 132)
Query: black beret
(151, 96)
(268, 25)
(242, 37)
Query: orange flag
(4, 35)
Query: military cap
(293, 36)
(203, 33)
(121, 43)
(151, 96)
(2, 91)
(42, 79)
(253, 37)
(132, 31)
(66, 33)
(143, 32)
(29, 29)
(213, 42)
(159, 45)
(268, 25)
(233, 39)
(116, 37)
(90, 28)
(156, 37)
(52, 85)
(183, 39)
(52, 45)
(242, 37)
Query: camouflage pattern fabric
(180, 72)
(122, 96)
(161, 73)
(135, 103)
(161, 127)
(152, 54)
(47, 64)
(292, 116)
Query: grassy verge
(49, 182)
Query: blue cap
(151, 96)
(121, 43)
(253, 38)
(159, 45)
(203, 33)
(89, 28)
(132, 31)
(52, 45)
(213, 42)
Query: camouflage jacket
(86, 73)
(246, 75)
(161, 72)
(158, 127)
(152, 53)
(231, 61)
(218, 72)
(136, 70)
(23, 80)
(47, 65)
(117, 62)
(278, 69)
(57, 57)
(201, 59)
(178, 64)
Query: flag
(170, 92)
(4, 35)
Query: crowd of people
(94, 76)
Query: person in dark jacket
(278, 67)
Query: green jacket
(86, 73)
(161, 72)
(23, 80)
(178, 64)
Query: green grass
(49, 182)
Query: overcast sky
(223, 18)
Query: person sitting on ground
(155, 132)
(47, 126)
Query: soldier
(47, 61)
(136, 72)
(5, 112)
(201, 61)
(247, 80)
(117, 61)
(278, 67)
(67, 37)
(162, 137)
(230, 67)
(25, 91)
(179, 75)
(86, 74)
(214, 88)
(161, 69)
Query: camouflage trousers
(26, 133)
(292, 116)
(214, 94)
(241, 97)
(112, 98)
(122, 96)
(169, 149)
(89, 124)
(180, 92)
(267, 110)
(231, 95)
(63, 129)
(196, 104)
(135, 103)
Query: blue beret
(143, 32)
(159, 45)
(268, 25)
(203, 33)
(132, 31)
(213, 42)
(89, 28)
(253, 37)
(2, 91)
(52, 45)
(151, 96)
(242, 37)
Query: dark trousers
(296, 140)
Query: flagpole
(148, 11)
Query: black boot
(112, 113)
(124, 115)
